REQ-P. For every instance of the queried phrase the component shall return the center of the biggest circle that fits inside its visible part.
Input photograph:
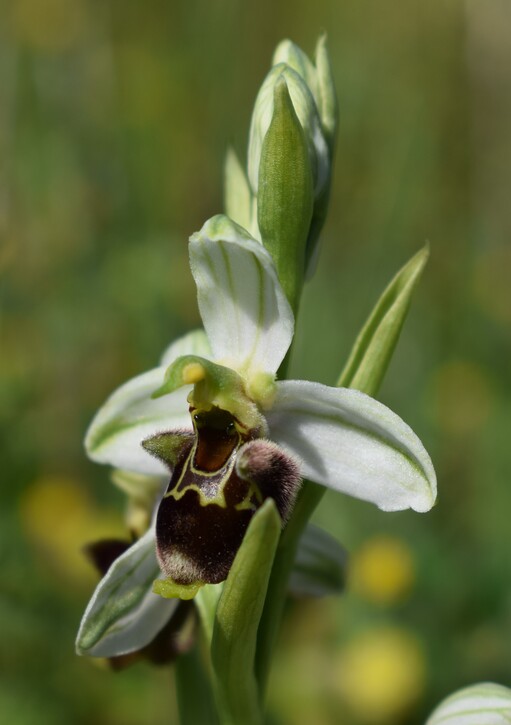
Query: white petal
(130, 415)
(482, 704)
(245, 312)
(124, 615)
(193, 343)
(353, 444)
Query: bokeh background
(114, 120)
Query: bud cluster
(283, 198)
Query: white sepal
(353, 444)
(245, 312)
(124, 615)
(130, 415)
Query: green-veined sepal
(246, 315)
(124, 615)
(353, 444)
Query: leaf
(483, 704)
(320, 565)
(373, 348)
(123, 614)
(237, 618)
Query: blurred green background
(114, 120)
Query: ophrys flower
(246, 427)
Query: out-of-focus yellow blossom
(462, 397)
(59, 518)
(381, 674)
(382, 571)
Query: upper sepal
(246, 315)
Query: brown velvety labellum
(203, 516)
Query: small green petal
(167, 447)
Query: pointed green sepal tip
(169, 589)
(373, 348)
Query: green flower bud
(285, 198)
(318, 78)
(292, 193)
(306, 110)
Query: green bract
(283, 198)
(337, 437)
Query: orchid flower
(215, 419)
